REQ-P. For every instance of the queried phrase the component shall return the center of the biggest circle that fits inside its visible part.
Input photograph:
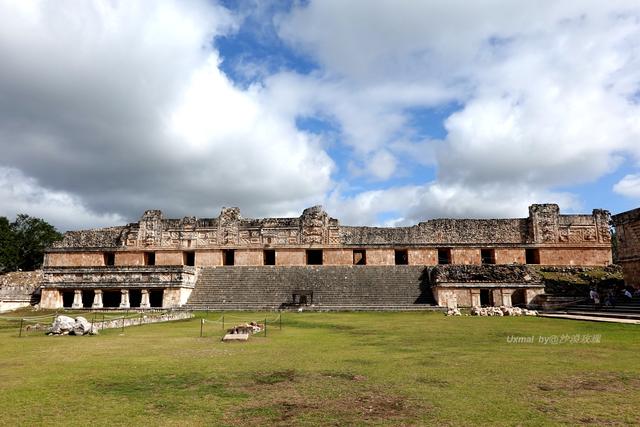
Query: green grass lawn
(325, 369)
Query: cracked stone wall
(628, 234)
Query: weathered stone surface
(484, 273)
(502, 311)
(62, 325)
(16, 288)
(82, 326)
(628, 234)
(314, 226)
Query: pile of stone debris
(495, 311)
(243, 331)
(65, 325)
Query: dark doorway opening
(314, 257)
(444, 256)
(228, 256)
(149, 258)
(87, 298)
(359, 257)
(109, 258)
(401, 257)
(486, 297)
(189, 258)
(302, 297)
(135, 297)
(155, 298)
(518, 298)
(488, 256)
(532, 256)
(269, 257)
(67, 299)
(111, 299)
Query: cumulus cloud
(21, 194)
(629, 186)
(117, 107)
(547, 93)
(122, 106)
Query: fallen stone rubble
(246, 328)
(65, 325)
(494, 311)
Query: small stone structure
(628, 234)
(485, 285)
(17, 288)
(158, 262)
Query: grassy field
(326, 369)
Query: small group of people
(610, 299)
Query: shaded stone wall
(628, 233)
(16, 288)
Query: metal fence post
(201, 325)
(20, 333)
(265, 327)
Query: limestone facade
(160, 254)
(628, 234)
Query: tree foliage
(22, 242)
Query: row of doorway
(112, 298)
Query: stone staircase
(398, 287)
(625, 308)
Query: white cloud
(21, 194)
(409, 205)
(629, 186)
(121, 105)
(547, 92)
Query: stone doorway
(486, 298)
(111, 299)
(67, 299)
(87, 298)
(155, 298)
(135, 298)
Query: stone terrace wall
(17, 287)
(628, 234)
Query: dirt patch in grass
(556, 398)
(325, 398)
(274, 377)
(587, 382)
(347, 409)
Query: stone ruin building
(628, 234)
(230, 262)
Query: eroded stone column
(77, 299)
(506, 297)
(475, 298)
(97, 299)
(124, 298)
(144, 302)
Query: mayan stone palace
(238, 263)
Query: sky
(385, 112)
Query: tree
(22, 242)
(8, 250)
(33, 236)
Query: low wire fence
(209, 323)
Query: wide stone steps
(625, 308)
(333, 287)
